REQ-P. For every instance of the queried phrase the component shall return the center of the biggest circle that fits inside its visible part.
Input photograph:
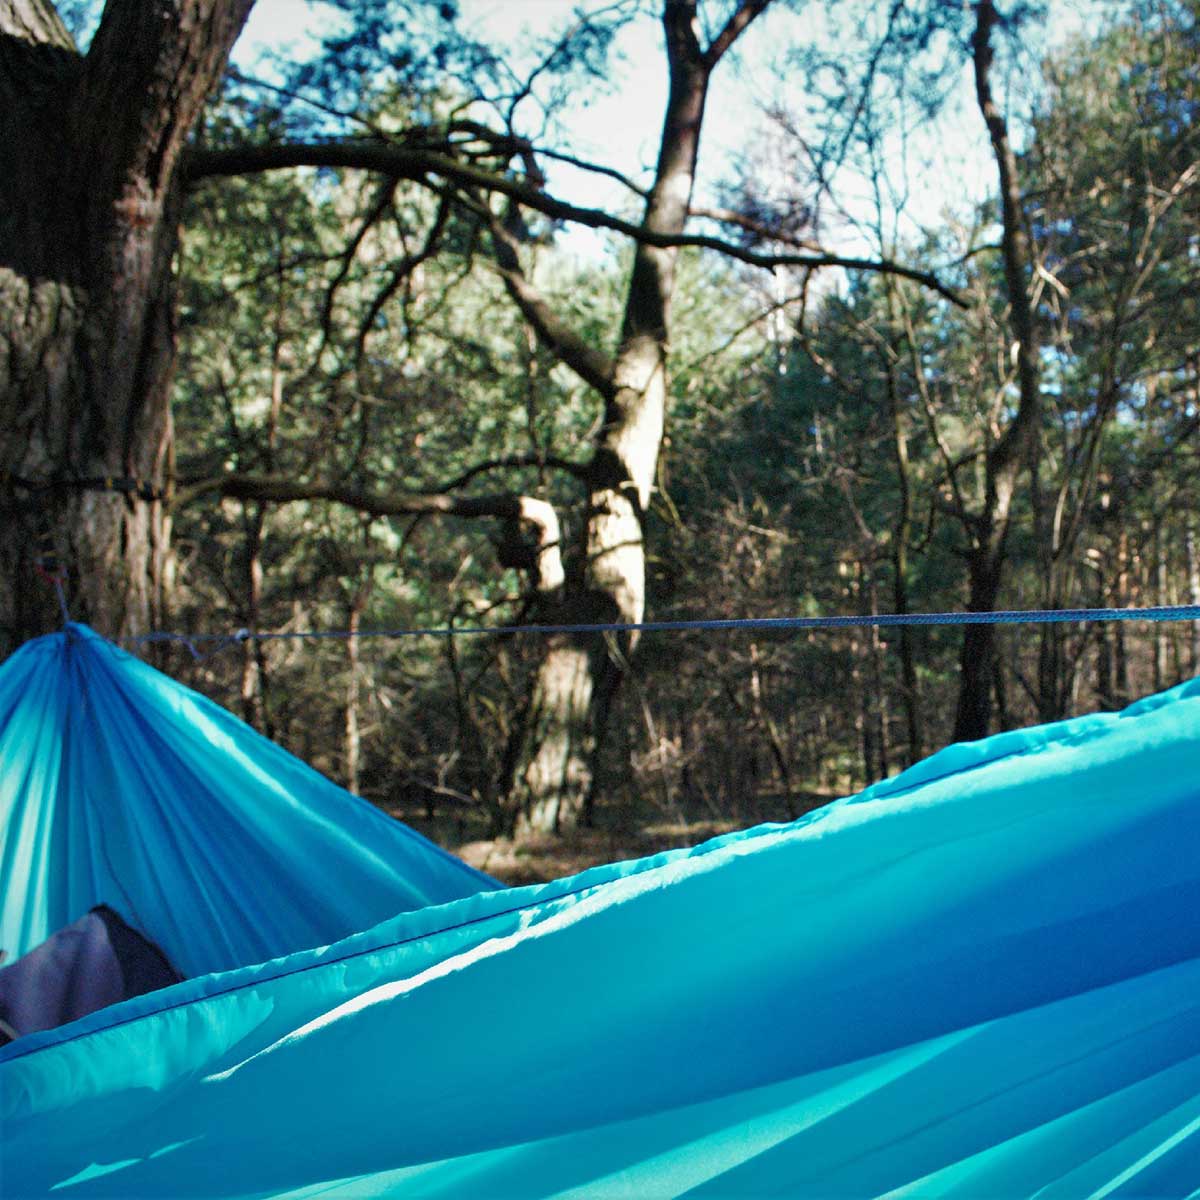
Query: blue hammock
(119, 786)
(980, 978)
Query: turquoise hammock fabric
(980, 978)
(120, 786)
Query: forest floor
(535, 860)
(618, 836)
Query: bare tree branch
(768, 233)
(375, 212)
(591, 365)
(734, 27)
(419, 165)
(578, 470)
(582, 164)
(284, 489)
(401, 272)
(959, 509)
(517, 511)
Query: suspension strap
(124, 485)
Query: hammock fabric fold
(980, 978)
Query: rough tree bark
(88, 214)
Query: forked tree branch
(734, 28)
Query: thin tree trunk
(1105, 691)
(874, 697)
(250, 689)
(1010, 452)
(862, 715)
(1003, 716)
(901, 535)
(775, 740)
(255, 679)
(1105, 684)
(1120, 598)
(1192, 563)
(353, 737)
(821, 753)
(1050, 690)
(1160, 599)
(973, 716)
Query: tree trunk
(1160, 599)
(554, 767)
(973, 716)
(88, 216)
(353, 735)
(1105, 691)
(874, 694)
(862, 717)
(1053, 682)
(909, 689)
(554, 773)
(1192, 562)
(1119, 600)
(775, 740)
(901, 535)
(1010, 451)
(1001, 691)
(253, 684)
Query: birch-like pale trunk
(553, 768)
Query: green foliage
(820, 457)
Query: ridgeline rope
(1049, 616)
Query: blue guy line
(1052, 616)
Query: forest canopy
(316, 343)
